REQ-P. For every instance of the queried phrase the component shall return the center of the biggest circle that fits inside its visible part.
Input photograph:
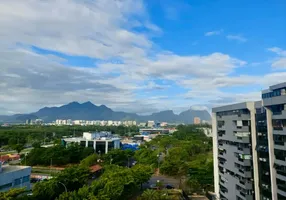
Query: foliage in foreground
(11, 194)
(58, 155)
(116, 183)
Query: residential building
(142, 124)
(274, 101)
(150, 124)
(249, 148)
(233, 128)
(207, 131)
(147, 131)
(14, 177)
(101, 142)
(163, 124)
(197, 120)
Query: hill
(89, 111)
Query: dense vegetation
(185, 155)
(57, 155)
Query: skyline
(143, 56)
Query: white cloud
(280, 61)
(127, 62)
(238, 38)
(216, 32)
(278, 51)
(99, 29)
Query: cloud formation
(215, 32)
(238, 38)
(41, 40)
(280, 60)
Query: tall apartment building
(249, 148)
(274, 101)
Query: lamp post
(158, 155)
(64, 186)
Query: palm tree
(154, 195)
(148, 195)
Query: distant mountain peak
(88, 103)
(88, 111)
(73, 103)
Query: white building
(207, 131)
(150, 124)
(14, 177)
(101, 142)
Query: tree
(73, 178)
(36, 144)
(141, 173)
(90, 160)
(18, 147)
(175, 162)
(146, 156)
(116, 183)
(155, 195)
(83, 193)
(117, 157)
(11, 194)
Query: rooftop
(103, 135)
(12, 168)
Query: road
(166, 180)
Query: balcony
(244, 162)
(243, 195)
(281, 189)
(245, 184)
(245, 174)
(279, 115)
(280, 160)
(242, 129)
(279, 130)
(242, 134)
(242, 150)
(243, 139)
(221, 127)
(281, 177)
(279, 145)
(243, 116)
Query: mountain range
(89, 111)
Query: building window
(100, 146)
(82, 143)
(110, 145)
(26, 179)
(5, 186)
(17, 181)
(90, 144)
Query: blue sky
(139, 56)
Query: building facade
(101, 142)
(274, 101)
(249, 145)
(14, 177)
(233, 128)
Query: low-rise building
(197, 120)
(147, 131)
(150, 124)
(101, 142)
(14, 177)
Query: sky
(139, 56)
